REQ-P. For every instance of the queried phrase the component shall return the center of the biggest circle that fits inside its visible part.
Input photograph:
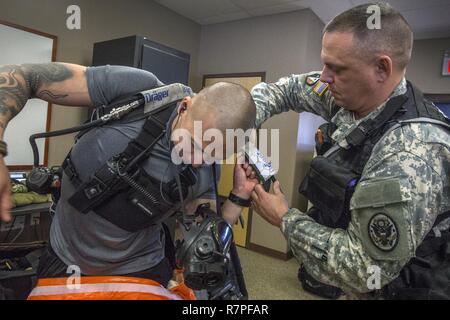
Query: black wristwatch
(239, 201)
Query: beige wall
(279, 45)
(425, 68)
(100, 20)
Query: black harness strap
(153, 129)
(107, 180)
(419, 101)
(366, 128)
(441, 218)
(70, 171)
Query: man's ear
(384, 68)
(185, 104)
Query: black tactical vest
(335, 172)
(130, 198)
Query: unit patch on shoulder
(383, 232)
(320, 88)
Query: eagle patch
(383, 232)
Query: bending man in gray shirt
(95, 245)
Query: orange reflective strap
(102, 288)
(184, 292)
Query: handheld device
(262, 166)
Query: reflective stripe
(96, 280)
(102, 287)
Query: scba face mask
(204, 252)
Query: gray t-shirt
(94, 244)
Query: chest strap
(120, 171)
(366, 128)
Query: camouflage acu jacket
(413, 159)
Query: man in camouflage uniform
(405, 182)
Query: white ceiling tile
(223, 18)
(251, 4)
(286, 7)
(195, 9)
(326, 9)
(428, 18)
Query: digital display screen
(259, 161)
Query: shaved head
(213, 125)
(227, 105)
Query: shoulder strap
(366, 128)
(441, 218)
(153, 129)
(425, 108)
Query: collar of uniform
(345, 119)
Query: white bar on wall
(25, 47)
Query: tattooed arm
(53, 82)
(59, 83)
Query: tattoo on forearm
(20, 83)
(50, 94)
(39, 74)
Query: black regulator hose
(121, 107)
(57, 133)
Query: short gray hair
(395, 37)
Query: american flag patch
(320, 88)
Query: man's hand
(244, 181)
(5, 192)
(272, 207)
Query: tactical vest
(121, 191)
(334, 175)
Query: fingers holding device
(261, 165)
